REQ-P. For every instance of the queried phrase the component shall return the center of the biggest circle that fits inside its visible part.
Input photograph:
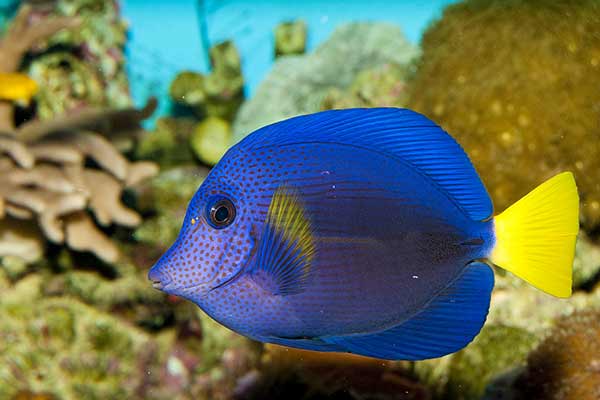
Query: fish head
(214, 245)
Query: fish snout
(159, 277)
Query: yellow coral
(16, 86)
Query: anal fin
(447, 324)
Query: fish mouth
(157, 285)
(160, 279)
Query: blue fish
(362, 230)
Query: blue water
(167, 36)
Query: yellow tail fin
(535, 237)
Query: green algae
(211, 139)
(168, 143)
(168, 195)
(91, 68)
(290, 38)
(64, 347)
(465, 375)
(218, 94)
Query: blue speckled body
(387, 240)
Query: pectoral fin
(286, 249)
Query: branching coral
(45, 177)
(44, 165)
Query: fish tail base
(535, 237)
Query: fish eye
(221, 213)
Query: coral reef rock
(298, 84)
(20, 37)
(381, 86)
(566, 365)
(90, 68)
(511, 81)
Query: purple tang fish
(362, 230)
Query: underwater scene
(345, 200)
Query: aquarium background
(137, 100)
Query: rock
(298, 84)
(516, 94)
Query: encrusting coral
(511, 81)
(566, 365)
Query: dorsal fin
(286, 249)
(401, 133)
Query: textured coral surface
(511, 80)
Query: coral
(168, 144)
(290, 38)
(298, 84)
(299, 374)
(566, 365)
(20, 37)
(90, 70)
(515, 303)
(586, 266)
(465, 375)
(68, 350)
(511, 81)
(211, 139)
(219, 93)
(381, 86)
(68, 83)
(45, 177)
(188, 89)
(21, 239)
(167, 195)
